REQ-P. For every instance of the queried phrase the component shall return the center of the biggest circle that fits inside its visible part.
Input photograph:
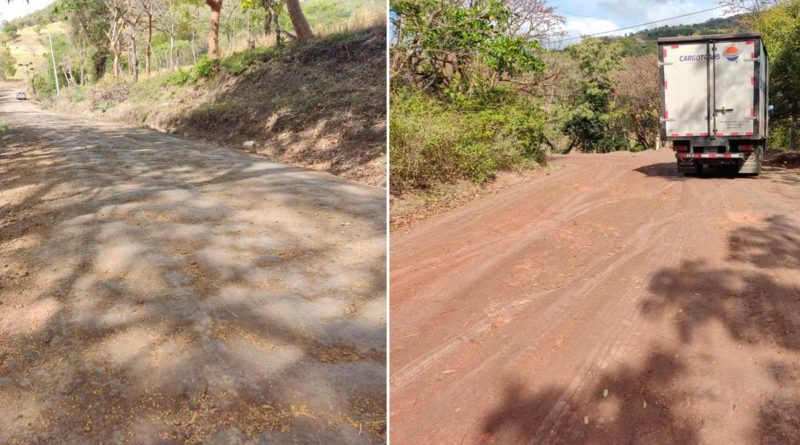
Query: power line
(641, 24)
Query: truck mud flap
(752, 164)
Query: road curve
(158, 290)
(612, 301)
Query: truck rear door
(686, 89)
(734, 88)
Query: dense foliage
(455, 113)
(593, 123)
(780, 28)
(435, 140)
(441, 44)
(8, 65)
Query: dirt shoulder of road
(784, 159)
(411, 208)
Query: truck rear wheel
(698, 168)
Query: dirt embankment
(785, 159)
(320, 105)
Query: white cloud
(640, 11)
(588, 25)
(576, 26)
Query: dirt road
(612, 301)
(156, 290)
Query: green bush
(77, 94)
(779, 133)
(435, 140)
(239, 62)
(205, 68)
(180, 77)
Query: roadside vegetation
(475, 90)
(492, 85)
(8, 64)
(779, 24)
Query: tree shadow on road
(647, 401)
(639, 406)
(752, 303)
(154, 290)
(777, 244)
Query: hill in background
(644, 41)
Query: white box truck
(714, 100)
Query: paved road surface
(612, 301)
(156, 290)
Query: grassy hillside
(30, 45)
(320, 105)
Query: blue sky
(587, 17)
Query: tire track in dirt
(497, 321)
(575, 207)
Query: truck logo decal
(697, 58)
(731, 53)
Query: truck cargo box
(714, 95)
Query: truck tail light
(746, 148)
(680, 147)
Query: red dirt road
(612, 301)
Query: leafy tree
(7, 62)
(10, 29)
(88, 27)
(780, 28)
(272, 10)
(441, 43)
(636, 93)
(594, 124)
(534, 19)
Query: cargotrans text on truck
(714, 100)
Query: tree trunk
(172, 52)
(116, 50)
(134, 57)
(83, 74)
(194, 51)
(149, 42)
(213, 29)
(793, 133)
(299, 21)
(277, 25)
